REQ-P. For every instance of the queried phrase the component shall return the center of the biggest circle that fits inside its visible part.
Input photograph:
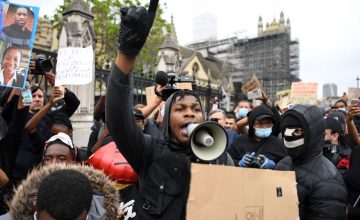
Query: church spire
(173, 32)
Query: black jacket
(32, 145)
(9, 145)
(352, 180)
(321, 189)
(15, 34)
(272, 147)
(163, 169)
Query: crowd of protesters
(145, 158)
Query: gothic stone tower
(77, 31)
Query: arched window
(195, 68)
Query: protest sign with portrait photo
(17, 33)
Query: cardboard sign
(150, 92)
(17, 37)
(220, 192)
(283, 98)
(353, 93)
(304, 93)
(74, 66)
(251, 85)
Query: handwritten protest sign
(283, 98)
(74, 66)
(251, 85)
(304, 93)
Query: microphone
(161, 78)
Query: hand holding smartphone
(254, 94)
(58, 92)
(355, 102)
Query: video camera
(257, 161)
(42, 66)
(169, 81)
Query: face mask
(328, 142)
(342, 109)
(243, 112)
(291, 141)
(294, 144)
(263, 132)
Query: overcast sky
(328, 30)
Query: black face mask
(294, 145)
(330, 148)
(328, 142)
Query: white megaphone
(208, 140)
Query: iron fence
(206, 93)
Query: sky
(328, 30)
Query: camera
(42, 66)
(254, 94)
(171, 81)
(256, 162)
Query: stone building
(272, 56)
(77, 31)
(191, 64)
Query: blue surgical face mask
(343, 109)
(243, 112)
(263, 132)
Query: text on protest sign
(74, 66)
(304, 93)
(251, 85)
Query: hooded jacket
(162, 167)
(320, 187)
(21, 205)
(271, 147)
(352, 180)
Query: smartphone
(62, 89)
(254, 94)
(355, 102)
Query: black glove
(135, 27)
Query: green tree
(106, 25)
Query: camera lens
(45, 65)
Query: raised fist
(135, 26)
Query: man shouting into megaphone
(162, 166)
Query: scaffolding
(273, 58)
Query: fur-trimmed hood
(22, 202)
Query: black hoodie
(271, 147)
(163, 168)
(321, 189)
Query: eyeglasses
(215, 119)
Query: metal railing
(206, 93)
